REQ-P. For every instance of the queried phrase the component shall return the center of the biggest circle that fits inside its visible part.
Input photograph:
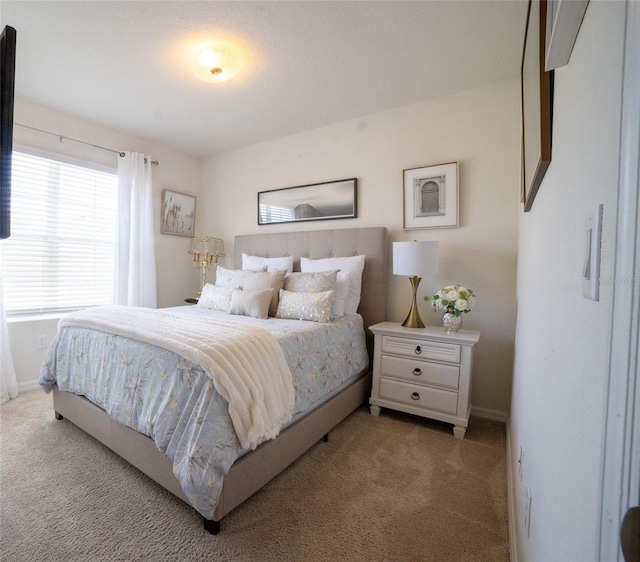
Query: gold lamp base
(413, 320)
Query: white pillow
(251, 303)
(234, 278)
(261, 280)
(270, 264)
(350, 264)
(215, 298)
(342, 292)
(305, 306)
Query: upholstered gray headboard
(371, 242)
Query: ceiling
(305, 64)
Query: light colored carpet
(396, 488)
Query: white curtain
(8, 383)
(135, 261)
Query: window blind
(272, 213)
(63, 228)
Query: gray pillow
(315, 282)
(259, 281)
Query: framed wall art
(178, 213)
(564, 18)
(431, 196)
(320, 201)
(537, 99)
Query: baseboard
(488, 414)
(511, 505)
(29, 385)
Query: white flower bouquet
(455, 299)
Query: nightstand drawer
(423, 349)
(420, 371)
(419, 396)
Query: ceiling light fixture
(216, 62)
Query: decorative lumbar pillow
(234, 278)
(264, 280)
(251, 303)
(305, 306)
(215, 298)
(271, 264)
(310, 282)
(350, 264)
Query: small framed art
(178, 213)
(431, 196)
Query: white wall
(176, 276)
(480, 129)
(559, 393)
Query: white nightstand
(423, 371)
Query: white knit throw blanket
(246, 363)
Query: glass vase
(451, 322)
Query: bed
(254, 468)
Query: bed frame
(252, 471)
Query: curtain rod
(62, 137)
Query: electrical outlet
(42, 342)
(527, 512)
(521, 463)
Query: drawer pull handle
(415, 396)
(418, 350)
(417, 372)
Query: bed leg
(325, 438)
(57, 415)
(211, 526)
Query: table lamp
(206, 252)
(415, 259)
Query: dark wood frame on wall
(537, 103)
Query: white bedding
(246, 363)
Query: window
(63, 229)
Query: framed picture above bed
(431, 196)
(314, 202)
(178, 213)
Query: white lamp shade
(415, 258)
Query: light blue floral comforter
(173, 401)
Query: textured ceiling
(306, 64)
